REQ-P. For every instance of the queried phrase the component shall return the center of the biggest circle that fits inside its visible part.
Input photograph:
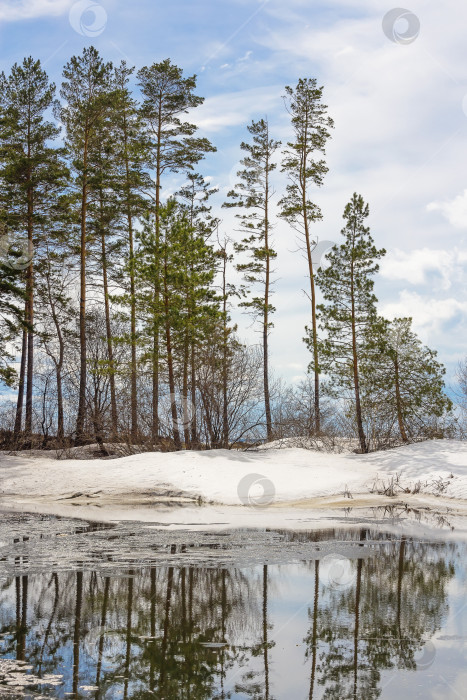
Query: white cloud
(416, 265)
(429, 315)
(455, 210)
(245, 57)
(13, 10)
(235, 109)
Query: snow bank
(263, 477)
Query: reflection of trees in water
(142, 633)
(382, 621)
(146, 629)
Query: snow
(271, 477)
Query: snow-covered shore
(273, 477)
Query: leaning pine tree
(349, 317)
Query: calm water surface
(135, 612)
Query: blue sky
(400, 137)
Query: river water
(129, 610)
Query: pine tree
(311, 127)
(193, 199)
(56, 317)
(403, 379)
(85, 91)
(227, 341)
(11, 317)
(254, 194)
(132, 147)
(104, 228)
(174, 148)
(148, 305)
(349, 317)
(32, 175)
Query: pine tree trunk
(400, 573)
(186, 418)
(155, 384)
(192, 349)
(313, 294)
(58, 365)
(156, 330)
(77, 630)
(165, 637)
(24, 614)
(105, 603)
(168, 337)
(314, 636)
(155, 375)
(399, 402)
(152, 617)
(108, 329)
(358, 407)
(22, 373)
(134, 376)
(29, 299)
(133, 370)
(265, 632)
(225, 417)
(30, 361)
(194, 425)
(82, 304)
(267, 401)
(58, 373)
(128, 633)
(358, 590)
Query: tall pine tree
(31, 177)
(349, 316)
(305, 170)
(254, 194)
(167, 97)
(86, 94)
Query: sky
(395, 82)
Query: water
(130, 611)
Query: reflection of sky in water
(425, 582)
